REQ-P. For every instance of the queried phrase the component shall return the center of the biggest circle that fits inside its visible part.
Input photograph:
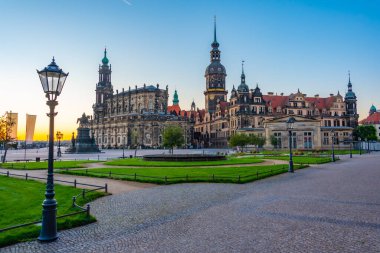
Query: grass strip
(44, 165)
(21, 202)
(138, 162)
(166, 175)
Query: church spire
(349, 82)
(215, 43)
(242, 72)
(175, 98)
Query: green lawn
(302, 159)
(44, 165)
(21, 202)
(138, 162)
(186, 174)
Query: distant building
(373, 119)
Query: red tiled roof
(320, 103)
(374, 118)
(174, 108)
(275, 100)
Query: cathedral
(138, 117)
(134, 117)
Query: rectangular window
(277, 136)
(307, 140)
(326, 139)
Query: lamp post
(289, 127)
(123, 146)
(332, 145)
(368, 151)
(52, 79)
(350, 145)
(360, 146)
(59, 136)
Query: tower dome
(105, 60)
(372, 109)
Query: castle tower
(104, 87)
(351, 102)
(215, 78)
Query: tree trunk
(5, 153)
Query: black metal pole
(360, 147)
(49, 206)
(350, 148)
(332, 149)
(291, 169)
(123, 146)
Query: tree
(367, 132)
(274, 141)
(256, 140)
(6, 124)
(173, 137)
(239, 140)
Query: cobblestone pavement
(326, 208)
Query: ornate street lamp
(59, 136)
(332, 145)
(52, 79)
(289, 127)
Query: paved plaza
(325, 208)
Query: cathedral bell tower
(215, 78)
(104, 87)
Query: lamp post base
(291, 169)
(49, 222)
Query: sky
(286, 45)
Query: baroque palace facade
(138, 117)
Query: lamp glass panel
(44, 81)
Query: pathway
(326, 208)
(114, 186)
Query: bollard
(75, 183)
(74, 199)
(7, 173)
(106, 188)
(83, 193)
(135, 176)
(213, 177)
(239, 179)
(187, 177)
(88, 210)
(110, 174)
(166, 179)
(26, 176)
(257, 174)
